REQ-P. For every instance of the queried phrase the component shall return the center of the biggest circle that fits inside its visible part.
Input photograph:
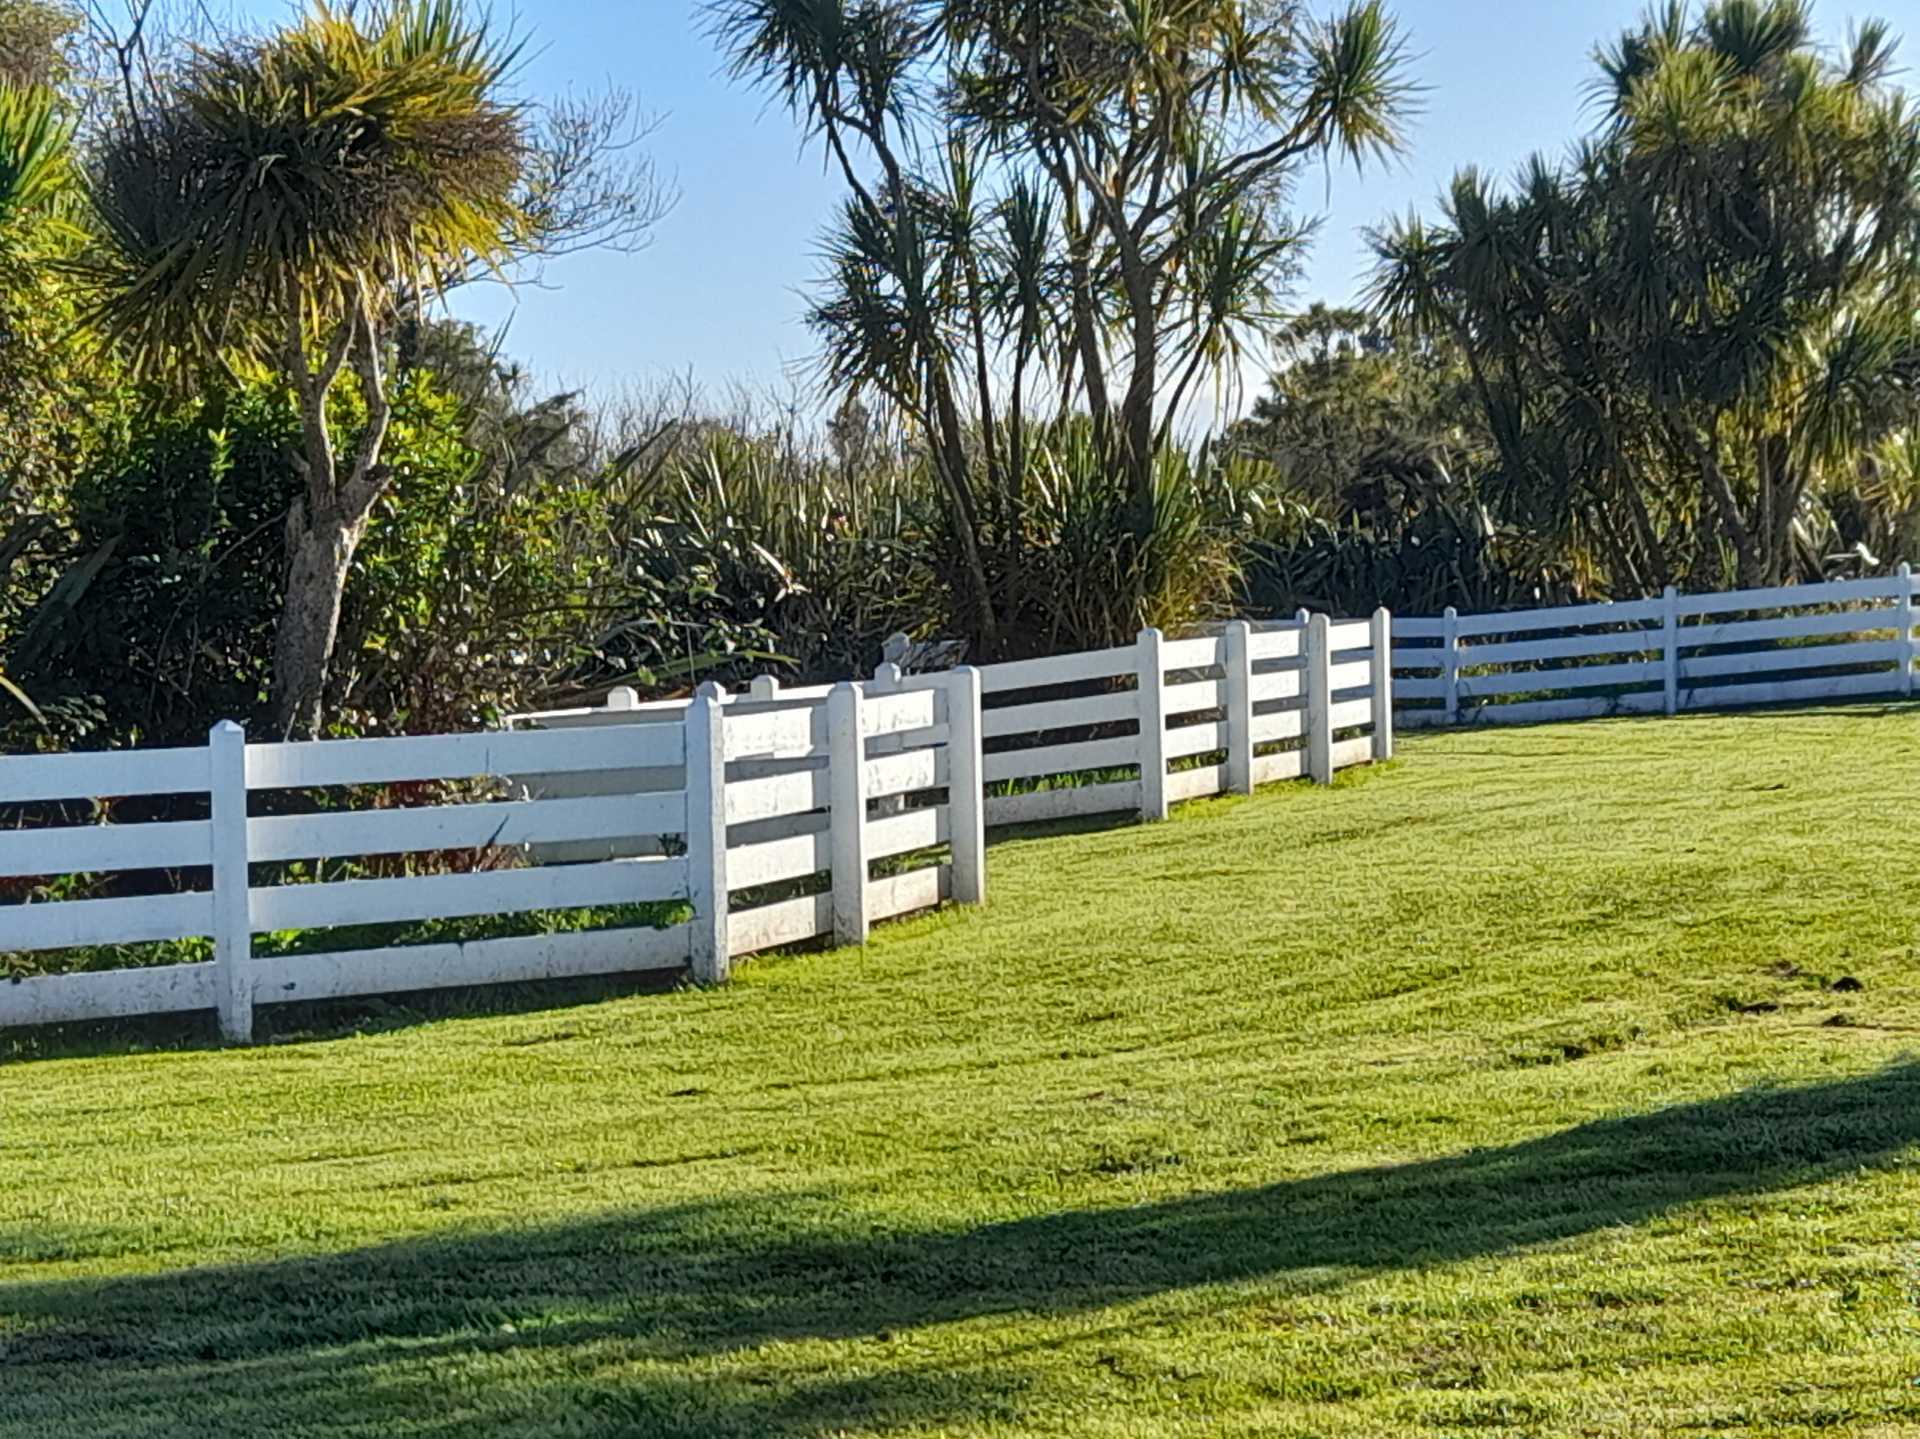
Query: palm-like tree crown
(284, 182)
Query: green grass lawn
(1562, 1081)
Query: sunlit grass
(1559, 1081)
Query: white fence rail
(677, 835)
(1794, 644)
(676, 818)
(1135, 729)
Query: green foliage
(1082, 201)
(392, 159)
(38, 43)
(1385, 457)
(1682, 340)
(465, 598)
(34, 161)
(1089, 573)
(751, 553)
(162, 618)
(465, 591)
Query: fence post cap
(1905, 570)
(711, 690)
(623, 697)
(1451, 613)
(226, 728)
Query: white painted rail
(1785, 645)
(679, 835)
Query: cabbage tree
(1685, 336)
(278, 203)
(1075, 203)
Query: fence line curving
(629, 838)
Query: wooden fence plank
(769, 926)
(71, 924)
(513, 959)
(1120, 706)
(33, 778)
(1759, 663)
(1057, 670)
(1078, 758)
(94, 848)
(903, 893)
(107, 994)
(465, 826)
(318, 763)
(1185, 740)
(1064, 802)
(450, 896)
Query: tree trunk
(1783, 483)
(324, 529)
(1643, 527)
(950, 463)
(320, 552)
(1720, 495)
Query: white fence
(754, 805)
(1135, 729)
(651, 837)
(1140, 728)
(1796, 644)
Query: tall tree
(1683, 336)
(1080, 201)
(280, 204)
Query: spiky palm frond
(1751, 35)
(284, 179)
(35, 162)
(1358, 85)
(827, 58)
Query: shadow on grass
(652, 1321)
(322, 1020)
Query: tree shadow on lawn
(636, 1322)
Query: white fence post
(1450, 662)
(1318, 684)
(622, 698)
(847, 787)
(232, 907)
(1906, 630)
(1382, 684)
(966, 789)
(764, 687)
(1152, 675)
(706, 790)
(1239, 658)
(1670, 647)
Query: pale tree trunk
(325, 527)
(320, 551)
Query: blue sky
(718, 294)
